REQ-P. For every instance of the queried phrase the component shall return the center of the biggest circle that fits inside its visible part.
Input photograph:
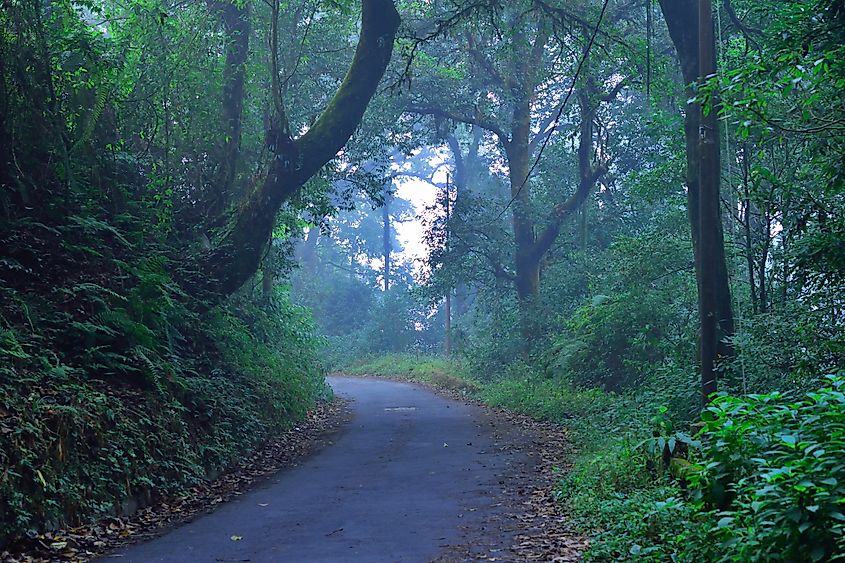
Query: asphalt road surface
(409, 476)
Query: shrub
(773, 475)
(615, 342)
(117, 389)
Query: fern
(10, 346)
(94, 226)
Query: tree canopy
(631, 216)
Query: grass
(443, 373)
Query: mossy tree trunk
(220, 271)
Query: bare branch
(476, 119)
(746, 30)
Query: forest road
(412, 474)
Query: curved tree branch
(588, 174)
(477, 119)
(222, 270)
(746, 30)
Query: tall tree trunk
(217, 273)
(527, 261)
(709, 260)
(711, 246)
(448, 325)
(766, 232)
(749, 253)
(467, 168)
(531, 247)
(236, 24)
(746, 227)
(582, 228)
(307, 251)
(267, 276)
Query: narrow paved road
(409, 476)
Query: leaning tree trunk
(704, 214)
(217, 273)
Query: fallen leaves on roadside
(82, 543)
(538, 528)
(545, 533)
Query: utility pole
(649, 25)
(386, 238)
(448, 312)
(709, 200)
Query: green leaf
(725, 522)
(837, 516)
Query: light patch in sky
(411, 233)
(421, 194)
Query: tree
(701, 128)
(220, 271)
(512, 93)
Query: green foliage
(522, 390)
(762, 482)
(618, 340)
(113, 387)
(773, 475)
(651, 523)
(114, 382)
(392, 323)
(636, 319)
(784, 350)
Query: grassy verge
(443, 373)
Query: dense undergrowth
(115, 390)
(757, 478)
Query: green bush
(773, 475)
(786, 348)
(117, 389)
(615, 342)
(651, 523)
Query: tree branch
(486, 63)
(544, 130)
(610, 96)
(222, 270)
(746, 30)
(460, 165)
(589, 174)
(477, 119)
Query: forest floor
(287, 450)
(409, 476)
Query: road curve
(406, 479)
